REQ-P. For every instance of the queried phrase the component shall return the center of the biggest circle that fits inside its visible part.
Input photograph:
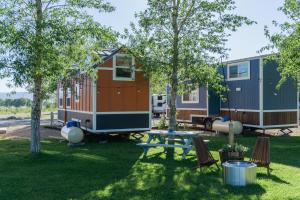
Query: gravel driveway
(24, 132)
(21, 129)
(8, 123)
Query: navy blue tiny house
(243, 80)
(252, 98)
(198, 107)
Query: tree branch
(187, 15)
(49, 2)
(57, 6)
(22, 37)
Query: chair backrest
(202, 152)
(261, 151)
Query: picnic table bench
(184, 139)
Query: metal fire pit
(239, 173)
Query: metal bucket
(239, 173)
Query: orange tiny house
(117, 101)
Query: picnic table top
(176, 133)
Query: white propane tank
(72, 134)
(220, 126)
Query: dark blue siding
(213, 103)
(248, 97)
(201, 104)
(83, 117)
(122, 121)
(285, 97)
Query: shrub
(235, 148)
(162, 122)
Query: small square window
(240, 71)
(124, 69)
(77, 92)
(68, 100)
(60, 97)
(191, 97)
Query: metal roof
(246, 59)
(107, 53)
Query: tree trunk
(35, 118)
(231, 134)
(37, 85)
(65, 105)
(174, 82)
(174, 78)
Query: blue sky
(243, 43)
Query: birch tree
(179, 43)
(40, 40)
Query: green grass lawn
(116, 170)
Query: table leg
(162, 141)
(145, 151)
(183, 154)
(187, 142)
(150, 138)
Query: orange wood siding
(85, 99)
(114, 96)
(107, 63)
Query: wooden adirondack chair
(261, 153)
(204, 157)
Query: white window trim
(115, 78)
(238, 78)
(68, 96)
(77, 92)
(183, 101)
(61, 96)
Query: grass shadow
(60, 172)
(116, 170)
(272, 177)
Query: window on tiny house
(77, 92)
(191, 97)
(238, 71)
(123, 67)
(68, 100)
(61, 97)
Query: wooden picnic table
(159, 138)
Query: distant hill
(17, 95)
